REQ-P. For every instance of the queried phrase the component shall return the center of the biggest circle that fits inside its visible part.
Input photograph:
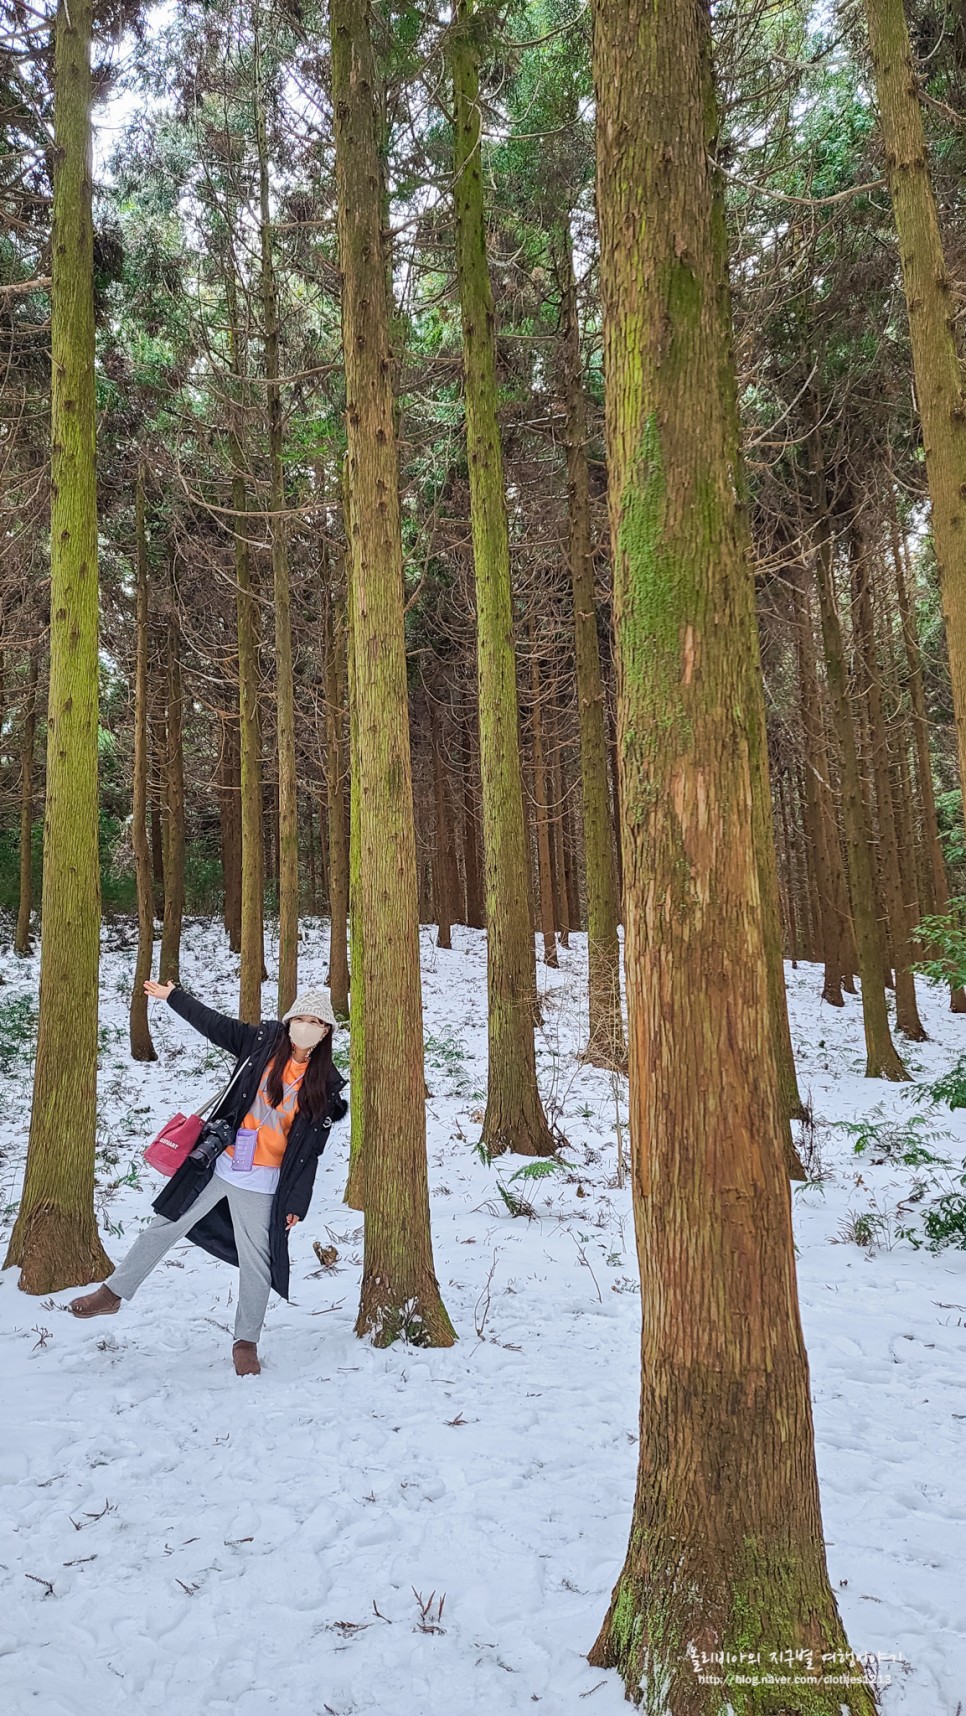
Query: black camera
(216, 1135)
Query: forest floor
(174, 1540)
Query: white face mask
(304, 1035)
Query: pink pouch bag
(174, 1143)
(179, 1135)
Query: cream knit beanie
(314, 1003)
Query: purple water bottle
(244, 1153)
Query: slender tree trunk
(514, 1118)
(931, 307)
(605, 1045)
(571, 867)
(400, 1294)
(726, 1545)
(356, 1180)
(28, 736)
(174, 845)
(794, 934)
(899, 918)
(55, 1239)
(287, 851)
(831, 929)
(229, 802)
(444, 854)
(142, 1047)
(475, 914)
(882, 1058)
(545, 889)
(615, 803)
(336, 697)
(246, 610)
(158, 734)
(557, 844)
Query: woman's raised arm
(226, 1033)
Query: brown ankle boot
(245, 1355)
(103, 1303)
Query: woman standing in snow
(242, 1204)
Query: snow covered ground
(173, 1540)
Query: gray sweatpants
(250, 1216)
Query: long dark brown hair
(319, 1083)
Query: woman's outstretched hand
(160, 991)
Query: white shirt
(257, 1179)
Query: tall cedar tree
(142, 1046)
(932, 312)
(288, 851)
(514, 1118)
(400, 1293)
(55, 1239)
(726, 1548)
(605, 1046)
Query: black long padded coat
(306, 1140)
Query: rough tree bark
(55, 1239)
(514, 1117)
(400, 1294)
(726, 1551)
(936, 880)
(28, 735)
(336, 698)
(931, 307)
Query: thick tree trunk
(55, 1239)
(400, 1294)
(726, 1550)
(605, 1044)
(287, 850)
(514, 1118)
(882, 1058)
(28, 735)
(142, 1047)
(938, 901)
(174, 829)
(932, 323)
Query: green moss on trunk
(55, 1237)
